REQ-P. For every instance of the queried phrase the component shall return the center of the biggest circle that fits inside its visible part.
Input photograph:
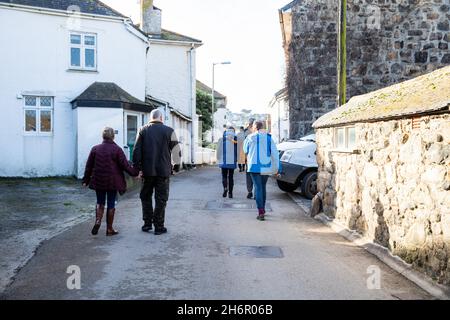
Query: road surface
(215, 249)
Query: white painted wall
(279, 115)
(89, 125)
(171, 77)
(34, 55)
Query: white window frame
(347, 147)
(82, 46)
(38, 108)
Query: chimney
(150, 18)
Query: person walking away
(227, 154)
(241, 154)
(263, 161)
(156, 146)
(104, 173)
(248, 131)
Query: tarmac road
(205, 254)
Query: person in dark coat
(227, 154)
(104, 173)
(156, 146)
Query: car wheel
(309, 185)
(286, 186)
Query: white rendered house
(171, 79)
(57, 54)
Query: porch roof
(109, 95)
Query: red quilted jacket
(105, 168)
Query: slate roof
(173, 36)
(204, 88)
(423, 95)
(107, 91)
(86, 6)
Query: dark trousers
(260, 182)
(160, 186)
(110, 195)
(249, 182)
(228, 179)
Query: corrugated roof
(86, 6)
(425, 94)
(173, 36)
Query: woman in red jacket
(105, 174)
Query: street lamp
(213, 97)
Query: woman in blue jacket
(262, 161)
(227, 156)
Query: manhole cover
(238, 206)
(249, 205)
(257, 252)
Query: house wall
(396, 192)
(387, 42)
(171, 77)
(36, 60)
(89, 125)
(279, 116)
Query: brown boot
(99, 211)
(109, 223)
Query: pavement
(34, 210)
(215, 249)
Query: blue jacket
(262, 154)
(227, 150)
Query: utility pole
(342, 54)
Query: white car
(299, 166)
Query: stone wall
(388, 41)
(396, 190)
(312, 59)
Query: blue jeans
(260, 183)
(101, 198)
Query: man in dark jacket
(156, 146)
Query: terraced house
(79, 66)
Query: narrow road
(202, 256)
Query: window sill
(28, 134)
(82, 70)
(348, 151)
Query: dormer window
(83, 51)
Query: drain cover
(249, 205)
(257, 252)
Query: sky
(245, 32)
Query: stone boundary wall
(388, 41)
(396, 190)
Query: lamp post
(213, 97)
